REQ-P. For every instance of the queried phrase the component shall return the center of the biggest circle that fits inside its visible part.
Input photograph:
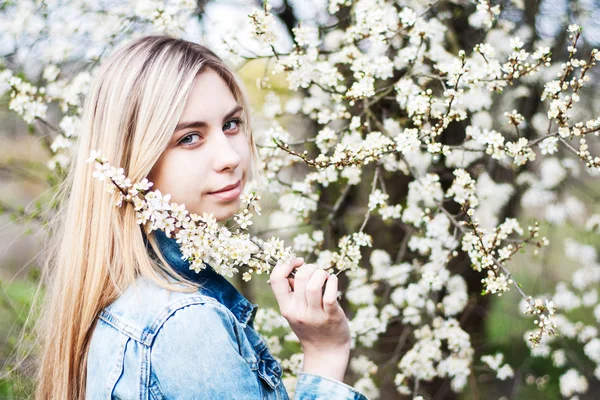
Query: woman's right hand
(314, 315)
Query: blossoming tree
(431, 130)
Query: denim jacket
(152, 343)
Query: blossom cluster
(494, 362)
(580, 294)
(412, 148)
(203, 241)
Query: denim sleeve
(196, 355)
(312, 387)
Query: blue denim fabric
(152, 343)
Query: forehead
(209, 99)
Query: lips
(226, 188)
(228, 193)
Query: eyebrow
(195, 124)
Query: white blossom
(572, 382)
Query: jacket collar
(212, 284)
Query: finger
(278, 279)
(314, 290)
(291, 282)
(282, 270)
(303, 274)
(291, 275)
(330, 304)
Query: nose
(225, 155)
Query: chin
(226, 211)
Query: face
(207, 153)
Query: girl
(124, 315)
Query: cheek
(155, 176)
(175, 174)
(243, 148)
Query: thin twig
(373, 187)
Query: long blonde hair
(130, 114)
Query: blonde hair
(130, 114)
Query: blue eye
(236, 121)
(188, 139)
